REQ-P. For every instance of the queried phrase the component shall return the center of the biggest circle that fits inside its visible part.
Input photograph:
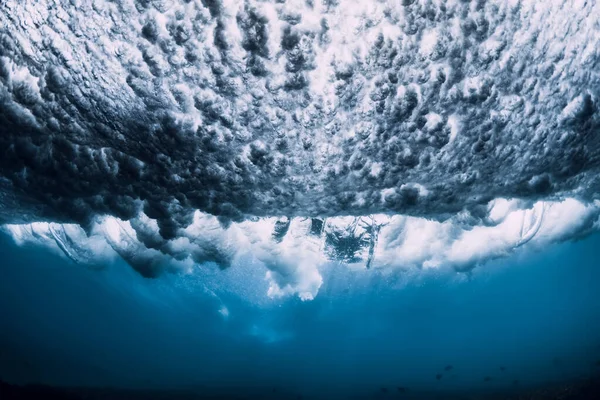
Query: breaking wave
(388, 134)
(293, 250)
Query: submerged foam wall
(293, 250)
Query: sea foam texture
(168, 124)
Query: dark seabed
(525, 327)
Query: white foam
(294, 260)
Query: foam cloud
(295, 251)
(183, 121)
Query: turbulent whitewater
(379, 134)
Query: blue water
(537, 315)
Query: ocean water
(287, 199)
(529, 320)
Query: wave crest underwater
(377, 134)
(294, 251)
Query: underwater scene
(300, 199)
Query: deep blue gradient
(536, 315)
